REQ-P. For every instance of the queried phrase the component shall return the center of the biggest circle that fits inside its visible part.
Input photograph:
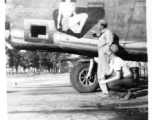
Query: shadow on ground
(104, 111)
(12, 91)
(140, 91)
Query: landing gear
(79, 81)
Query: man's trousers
(103, 66)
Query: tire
(78, 81)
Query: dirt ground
(51, 97)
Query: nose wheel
(78, 79)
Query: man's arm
(116, 77)
(109, 37)
(90, 68)
(95, 34)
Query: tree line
(37, 60)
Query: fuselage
(34, 27)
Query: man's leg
(102, 68)
(121, 86)
(103, 86)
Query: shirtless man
(66, 10)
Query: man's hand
(88, 76)
(58, 26)
(102, 82)
(93, 32)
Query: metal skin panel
(138, 23)
(48, 26)
(126, 18)
(118, 13)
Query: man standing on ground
(105, 41)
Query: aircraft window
(36, 31)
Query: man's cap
(102, 21)
(114, 48)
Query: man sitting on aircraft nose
(104, 43)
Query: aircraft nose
(7, 30)
(7, 25)
(8, 35)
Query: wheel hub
(86, 82)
